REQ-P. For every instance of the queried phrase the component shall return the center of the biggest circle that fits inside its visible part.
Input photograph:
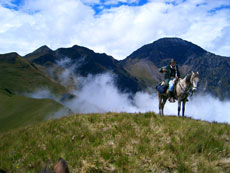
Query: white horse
(182, 89)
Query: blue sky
(116, 27)
(102, 5)
(14, 4)
(219, 8)
(97, 6)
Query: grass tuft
(115, 142)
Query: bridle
(185, 90)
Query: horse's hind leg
(183, 108)
(160, 104)
(163, 104)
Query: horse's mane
(188, 77)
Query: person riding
(171, 73)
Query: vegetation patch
(20, 111)
(115, 142)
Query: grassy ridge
(19, 111)
(119, 143)
(18, 76)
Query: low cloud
(41, 94)
(99, 94)
(207, 107)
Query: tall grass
(122, 142)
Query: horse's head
(194, 80)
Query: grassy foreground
(122, 142)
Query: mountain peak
(171, 39)
(10, 54)
(175, 41)
(39, 52)
(43, 49)
(9, 57)
(81, 48)
(160, 51)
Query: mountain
(83, 62)
(39, 52)
(138, 72)
(214, 70)
(161, 51)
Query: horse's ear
(197, 74)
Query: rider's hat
(172, 60)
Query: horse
(182, 90)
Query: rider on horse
(171, 73)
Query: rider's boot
(171, 98)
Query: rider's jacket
(171, 72)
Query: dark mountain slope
(160, 51)
(214, 73)
(139, 71)
(86, 62)
(39, 52)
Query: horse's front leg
(179, 107)
(183, 108)
(163, 105)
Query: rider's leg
(171, 85)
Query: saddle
(162, 87)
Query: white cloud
(7, 2)
(91, 1)
(222, 43)
(99, 95)
(114, 2)
(109, 2)
(117, 31)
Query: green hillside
(19, 111)
(119, 143)
(17, 75)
